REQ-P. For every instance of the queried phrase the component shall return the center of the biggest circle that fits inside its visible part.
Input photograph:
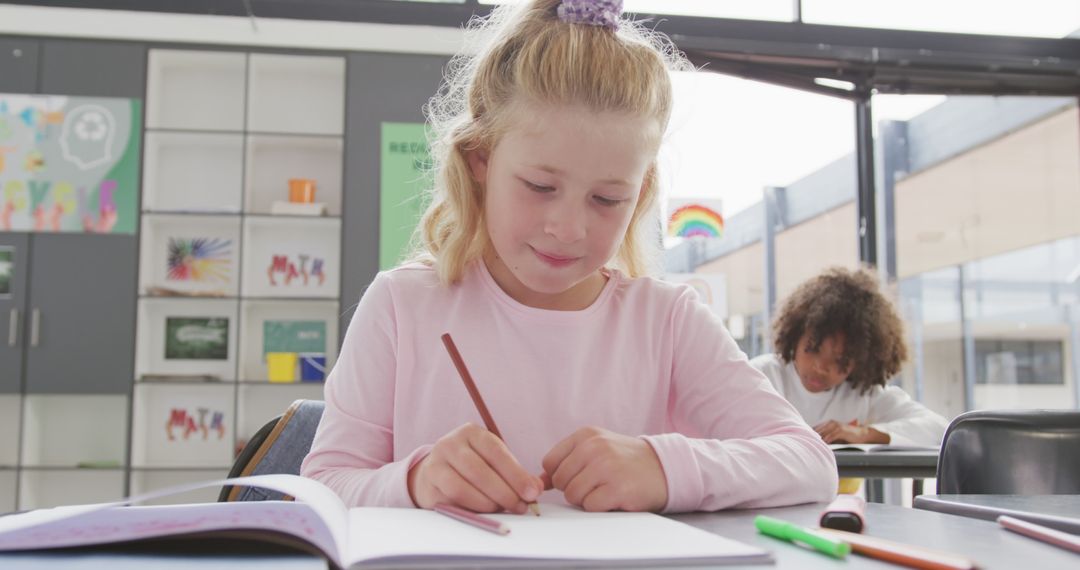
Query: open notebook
(379, 537)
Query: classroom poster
(404, 177)
(294, 336)
(196, 338)
(69, 164)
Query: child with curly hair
(838, 341)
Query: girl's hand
(471, 468)
(833, 431)
(599, 470)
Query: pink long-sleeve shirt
(645, 359)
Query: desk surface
(887, 464)
(986, 543)
(1056, 511)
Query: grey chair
(1011, 452)
(278, 447)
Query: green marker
(795, 533)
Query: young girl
(838, 341)
(620, 391)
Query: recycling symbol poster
(69, 164)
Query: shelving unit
(223, 280)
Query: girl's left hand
(833, 431)
(600, 470)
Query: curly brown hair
(849, 303)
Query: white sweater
(887, 409)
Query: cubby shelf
(226, 284)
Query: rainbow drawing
(199, 259)
(695, 220)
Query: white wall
(228, 30)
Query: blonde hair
(524, 53)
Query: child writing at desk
(838, 341)
(620, 391)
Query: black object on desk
(1061, 512)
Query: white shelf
(195, 90)
(195, 351)
(182, 426)
(146, 481)
(273, 160)
(8, 482)
(193, 172)
(190, 254)
(296, 94)
(10, 419)
(66, 430)
(264, 403)
(39, 489)
(311, 317)
(279, 252)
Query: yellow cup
(281, 366)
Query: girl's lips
(554, 260)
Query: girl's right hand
(471, 468)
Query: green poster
(404, 179)
(196, 338)
(294, 336)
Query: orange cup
(301, 190)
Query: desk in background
(1055, 511)
(985, 542)
(887, 465)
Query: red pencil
(474, 519)
(489, 422)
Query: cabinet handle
(13, 327)
(35, 324)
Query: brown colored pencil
(474, 393)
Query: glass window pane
(728, 140)
(987, 244)
(1034, 18)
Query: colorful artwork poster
(404, 178)
(69, 164)
(196, 338)
(201, 259)
(7, 270)
(294, 336)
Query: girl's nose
(567, 222)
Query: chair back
(278, 447)
(1011, 452)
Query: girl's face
(820, 370)
(560, 188)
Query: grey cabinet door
(13, 257)
(81, 314)
(19, 65)
(93, 68)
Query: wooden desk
(983, 541)
(1056, 511)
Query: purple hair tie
(603, 13)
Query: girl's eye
(539, 187)
(607, 201)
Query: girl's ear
(478, 164)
